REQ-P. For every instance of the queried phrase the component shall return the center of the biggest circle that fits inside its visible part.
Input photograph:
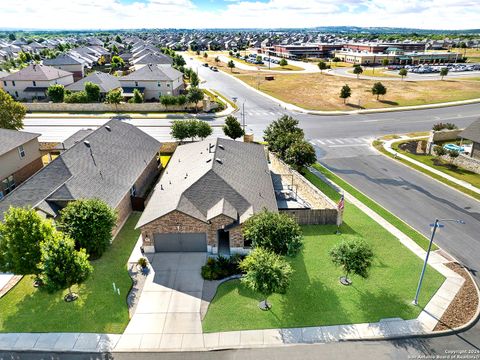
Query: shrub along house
(116, 163)
(209, 189)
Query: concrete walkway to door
(168, 311)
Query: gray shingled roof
(106, 169)
(72, 140)
(472, 132)
(232, 178)
(151, 58)
(65, 59)
(10, 139)
(106, 82)
(38, 73)
(154, 72)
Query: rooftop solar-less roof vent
(218, 160)
(108, 128)
(209, 160)
(87, 143)
(221, 147)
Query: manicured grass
(379, 72)
(98, 309)
(321, 91)
(288, 67)
(380, 210)
(315, 296)
(469, 192)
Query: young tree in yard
(205, 55)
(21, 233)
(63, 266)
(181, 100)
(266, 273)
(167, 100)
(379, 89)
(283, 62)
(443, 72)
(453, 154)
(231, 65)
(192, 128)
(114, 97)
(179, 130)
(232, 128)
(336, 60)
(403, 72)
(322, 65)
(345, 93)
(354, 256)
(56, 93)
(217, 60)
(93, 92)
(357, 70)
(203, 129)
(385, 62)
(137, 97)
(300, 154)
(90, 223)
(11, 112)
(282, 133)
(276, 232)
(194, 96)
(194, 80)
(117, 63)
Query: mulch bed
(464, 306)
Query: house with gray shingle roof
(208, 190)
(472, 133)
(105, 81)
(153, 81)
(68, 62)
(33, 81)
(115, 163)
(20, 158)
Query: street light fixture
(435, 225)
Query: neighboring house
(472, 132)
(20, 158)
(153, 81)
(116, 163)
(33, 81)
(209, 189)
(70, 63)
(151, 58)
(105, 81)
(2, 75)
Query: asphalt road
(342, 144)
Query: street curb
(292, 107)
(430, 177)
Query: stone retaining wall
(465, 162)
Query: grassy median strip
(466, 191)
(380, 210)
(315, 296)
(98, 309)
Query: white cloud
(105, 14)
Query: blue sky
(114, 14)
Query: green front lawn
(316, 297)
(26, 309)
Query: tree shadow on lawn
(388, 102)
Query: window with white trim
(21, 151)
(7, 184)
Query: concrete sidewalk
(387, 145)
(150, 333)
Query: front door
(223, 242)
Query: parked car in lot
(214, 68)
(206, 65)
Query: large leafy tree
(232, 128)
(137, 97)
(179, 130)
(117, 63)
(11, 112)
(90, 223)
(354, 255)
(21, 233)
(282, 133)
(300, 154)
(322, 65)
(114, 97)
(56, 93)
(194, 80)
(273, 231)
(93, 92)
(63, 266)
(203, 129)
(379, 89)
(266, 273)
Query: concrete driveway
(168, 310)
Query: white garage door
(181, 242)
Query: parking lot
(430, 69)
